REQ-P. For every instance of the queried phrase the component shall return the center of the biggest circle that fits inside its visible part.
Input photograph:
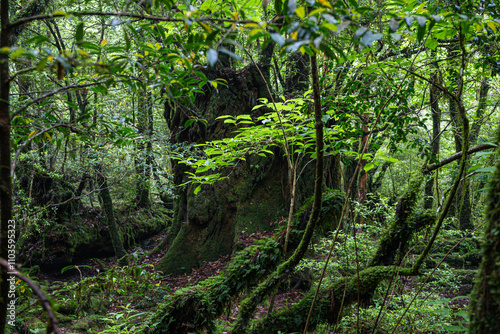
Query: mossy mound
(86, 235)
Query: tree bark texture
(484, 308)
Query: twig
(54, 92)
(117, 14)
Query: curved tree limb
(26, 20)
(45, 302)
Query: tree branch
(456, 156)
(54, 92)
(26, 20)
(45, 302)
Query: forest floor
(95, 312)
(92, 267)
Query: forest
(249, 166)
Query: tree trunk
(5, 178)
(107, 207)
(144, 149)
(248, 305)
(251, 199)
(436, 128)
(484, 308)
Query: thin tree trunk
(107, 207)
(247, 306)
(143, 149)
(436, 127)
(5, 178)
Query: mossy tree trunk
(436, 128)
(254, 197)
(197, 307)
(484, 308)
(461, 206)
(143, 159)
(107, 207)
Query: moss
(485, 298)
(195, 308)
(36, 326)
(456, 259)
(327, 307)
(68, 307)
(81, 325)
(88, 236)
(405, 224)
(96, 321)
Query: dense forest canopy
(249, 166)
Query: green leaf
(486, 170)
(41, 65)
(409, 20)
(421, 21)
(455, 328)
(431, 43)
(292, 6)
(90, 45)
(127, 40)
(212, 56)
(197, 190)
(369, 38)
(360, 32)
(473, 168)
(389, 159)
(79, 33)
(369, 166)
(189, 122)
(38, 39)
(436, 18)
(394, 25)
(16, 53)
(396, 36)
(420, 33)
(462, 314)
(329, 52)
(230, 53)
(280, 40)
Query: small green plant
(125, 321)
(77, 268)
